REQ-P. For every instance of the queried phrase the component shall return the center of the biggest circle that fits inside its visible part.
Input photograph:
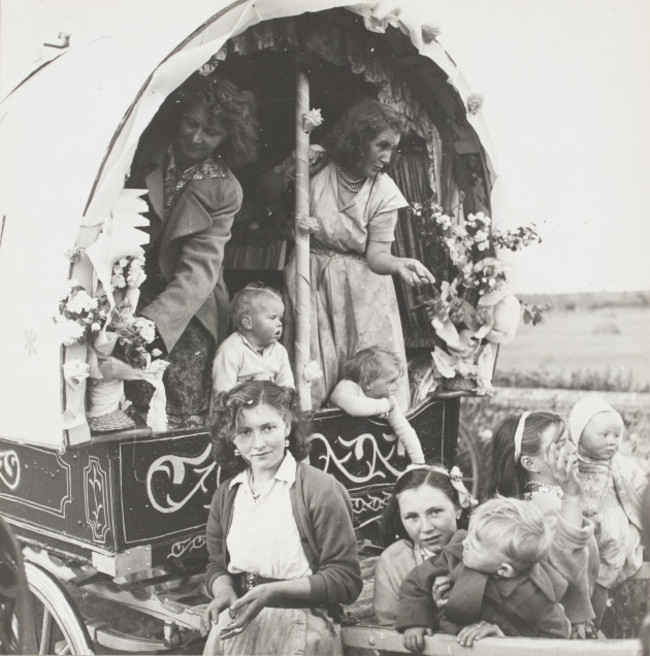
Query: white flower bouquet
(80, 315)
(135, 338)
(127, 274)
(474, 308)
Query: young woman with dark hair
(429, 504)
(353, 209)
(281, 544)
(193, 198)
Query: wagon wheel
(468, 458)
(60, 628)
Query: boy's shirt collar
(247, 343)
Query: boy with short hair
(500, 584)
(252, 351)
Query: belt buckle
(251, 581)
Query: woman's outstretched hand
(440, 591)
(414, 273)
(244, 609)
(224, 597)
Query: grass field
(611, 343)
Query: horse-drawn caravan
(121, 515)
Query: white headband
(465, 498)
(519, 434)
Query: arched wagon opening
(85, 112)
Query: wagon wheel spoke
(62, 627)
(469, 460)
(46, 633)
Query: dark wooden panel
(166, 486)
(155, 490)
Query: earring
(236, 452)
(286, 443)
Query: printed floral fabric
(351, 306)
(177, 179)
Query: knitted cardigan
(323, 513)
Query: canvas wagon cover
(67, 137)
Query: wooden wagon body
(137, 502)
(123, 515)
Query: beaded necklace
(350, 183)
(536, 486)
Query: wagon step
(119, 641)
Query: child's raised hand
(440, 591)
(414, 638)
(563, 461)
(470, 634)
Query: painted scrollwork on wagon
(368, 504)
(353, 461)
(10, 469)
(36, 464)
(96, 499)
(171, 474)
(364, 463)
(184, 547)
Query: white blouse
(263, 538)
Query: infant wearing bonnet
(612, 488)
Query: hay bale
(606, 328)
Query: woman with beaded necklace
(353, 211)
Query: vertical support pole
(303, 296)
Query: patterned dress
(351, 307)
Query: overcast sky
(566, 87)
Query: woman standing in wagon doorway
(193, 197)
(354, 209)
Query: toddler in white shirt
(367, 389)
(253, 351)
